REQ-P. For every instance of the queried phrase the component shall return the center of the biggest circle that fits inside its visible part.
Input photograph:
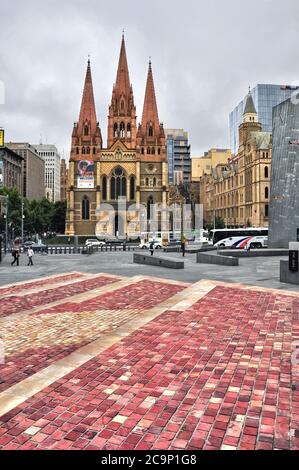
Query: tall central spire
(122, 111)
(122, 84)
(150, 109)
(88, 109)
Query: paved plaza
(96, 360)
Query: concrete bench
(260, 252)
(209, 258)
(157, 261)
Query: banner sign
(1, 138)
(85, 174)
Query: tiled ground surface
(19, 287)
(16, 304)
(36, 340)
(215, 376)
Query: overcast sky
(204, 56)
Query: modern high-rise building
(51, 157)
(178, 156)
(33, 170)
(284, 202)
(265, 97)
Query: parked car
(146, 245)
(94, 242)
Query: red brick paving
(136, 296)
(38, 354)
(218, 374)
(15, 304)
(38, 283)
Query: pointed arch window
(128, 130)
(142, 150)
(154, 181)
(77, 150)
(122, 105)
(115, 129)
(86, 130)
(83, 150)
(104, 188)
(118, 183)
(148, 150)
(266, 193)
(88, 150)
(122, 129)
(266, 172)
(146, 181)
(94, 150)
(159, 151)
(132, 188)
(150, 131)
(85, 208)
(153, 150)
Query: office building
(10, 169)
(52, 170)
(178, 156)
(63, 179)
(203, 165)
(33, 170)
(265, 97)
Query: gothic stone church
(133, 167)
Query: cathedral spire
(122, 110)
(122, 84)
(88, 111)
(150, 110)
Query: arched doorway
(119, 229)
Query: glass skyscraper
(265, 97)
(178, 156)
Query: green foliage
(39, 215)
(219, 223)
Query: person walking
(183, 246)
(16, 255)
(152, 247)
(30, 254)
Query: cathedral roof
(249, 106)
(150, 110)
(88, 110)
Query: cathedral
(131, 169)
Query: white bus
(217, 235)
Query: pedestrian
(30, 254)
(152, 247)
(183, 246)
(15, 254)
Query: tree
(219, 224)
(58, 217)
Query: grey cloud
(204, 55)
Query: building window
(153, 150)
(266, 193)
(266, 210)
(148, 150)
(154, 182)
(132, 188)
(104, 188)
(129, 130)
(142, 150)
(150, 131)
(118, 183)
(85, 208)
(83, 150)
(122, 129)
(86, 130)
(115, 129)
(146, 181)
(266, 172)
(94, 150)
(159, 151)
(77, 150)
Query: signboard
(1, 174)
(293, 261)
(85, 174)
(1, 138)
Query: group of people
(15, 253)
